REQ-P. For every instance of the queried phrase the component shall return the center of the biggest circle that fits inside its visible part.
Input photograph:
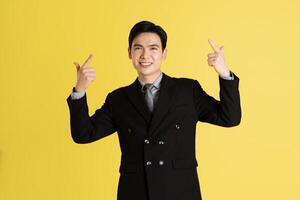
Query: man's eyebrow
(154, 45)
(151, 45)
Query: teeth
(145, 64)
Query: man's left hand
(217, 60)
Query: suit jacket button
(129, 130)
(177, 126)
(160, 142)
(147, 141)
(148, 163)
(161, 162)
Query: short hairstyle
(147, 26)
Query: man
(155, 118)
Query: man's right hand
(85, 75)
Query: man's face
(146, 54)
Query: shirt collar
(156, 83)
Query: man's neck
(150, 78)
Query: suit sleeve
(227, 111)
(86, 129)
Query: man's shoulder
(119, 91)
(182, 81)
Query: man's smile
(145, 64)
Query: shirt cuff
(77, 95)
(231, 77)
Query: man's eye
(153, 48)
(137, 48)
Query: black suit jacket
(158, 159)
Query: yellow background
(39, 40)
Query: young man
(155, 118)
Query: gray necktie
(148, 95)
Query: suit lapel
(164, 102)
(138, 101)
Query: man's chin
(145, 71)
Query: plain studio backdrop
(39, 40)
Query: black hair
(147, 26)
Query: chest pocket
(183, 110)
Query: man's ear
(129, 53)
(165, 53)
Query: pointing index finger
(213, 45)
(88, 60)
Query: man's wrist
(230, 77)
(77, 90)
(77, 94)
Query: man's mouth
(145, 64)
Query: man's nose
(145, 54)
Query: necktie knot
(148, 87)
